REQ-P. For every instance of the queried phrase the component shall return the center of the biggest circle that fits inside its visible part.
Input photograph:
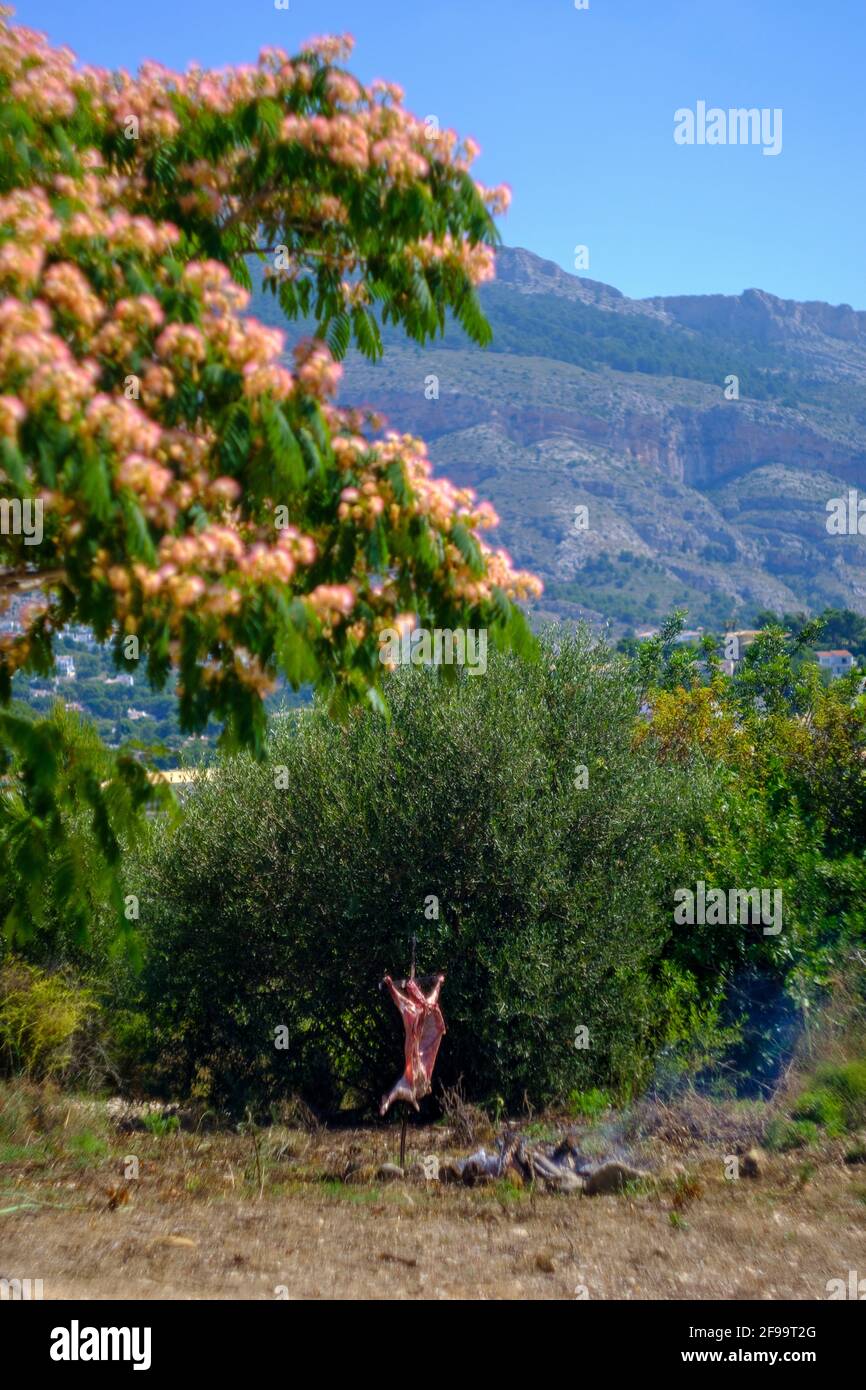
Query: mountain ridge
(527, 272)
(588, 398)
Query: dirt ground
(96, 1209)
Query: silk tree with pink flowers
(206, 504)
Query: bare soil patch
(99, 1213)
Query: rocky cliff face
(763, 318)
(589, 398)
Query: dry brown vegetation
(300, 1212)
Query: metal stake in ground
(404, 1123)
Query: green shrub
(847, 1083)
(87, 1150)
(784, 1134)
(161, 1125)
(589, 1104)
(41, 1015)
(823, 1108)
(547, 903)
(835, 1098)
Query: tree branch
(20, 581)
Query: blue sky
(575, 110)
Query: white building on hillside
(838, 662)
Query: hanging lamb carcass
(425, 1028)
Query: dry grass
(297, 1211)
